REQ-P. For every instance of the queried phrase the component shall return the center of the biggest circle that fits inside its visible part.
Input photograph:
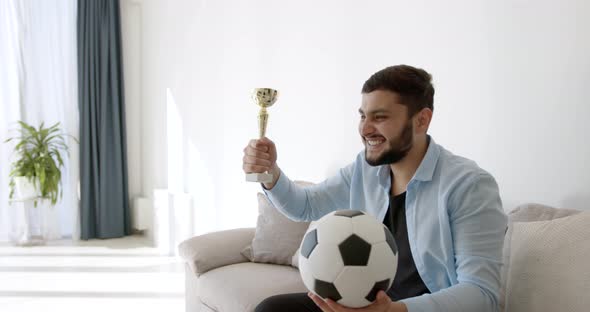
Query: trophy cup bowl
(264, 97)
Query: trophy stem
(262, 122)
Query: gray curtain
(103, 158)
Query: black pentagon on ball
(382, 285)
(355, 251)
(309, 242)
(326, 290)
(348, 213)
(390, 240)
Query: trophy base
(259, 177)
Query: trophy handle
(262, 122)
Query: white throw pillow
(277, 237)
(549, 266)
(529, 212)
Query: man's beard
(393, 153)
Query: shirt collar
(426, 169)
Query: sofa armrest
(213, 250)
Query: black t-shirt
(407, 282)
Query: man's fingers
(382, 300)
(266, 141)
(251, 160)
(381, 303)
(256, 153)
(259, 145)
(320, 302)
(257, 157)
(382, 296)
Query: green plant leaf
(39, 158)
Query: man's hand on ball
(381, 304)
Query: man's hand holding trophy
(260, 155)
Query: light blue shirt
(454, 215)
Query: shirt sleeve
(312, 202)
(478, 224)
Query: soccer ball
(348, 256)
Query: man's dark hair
(413, 85)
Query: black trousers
(298, 302)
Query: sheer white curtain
(38, 49)
(10, 99)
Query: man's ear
(423, 119)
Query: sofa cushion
(277, 237)
(231, 288)
(548, 268)
(537, 212)
(526, 213)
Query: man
(444, 211)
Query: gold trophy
(264, 97)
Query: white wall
(509, 79)
(132, 33)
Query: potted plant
(36, 171)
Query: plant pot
(26, 189)
(28, 225)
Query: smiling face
(385, 128)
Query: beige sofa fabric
(217, 249)
(231, 283)
(549, 268)
(241, 287)
(191, 288)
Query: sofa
(546, 254)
